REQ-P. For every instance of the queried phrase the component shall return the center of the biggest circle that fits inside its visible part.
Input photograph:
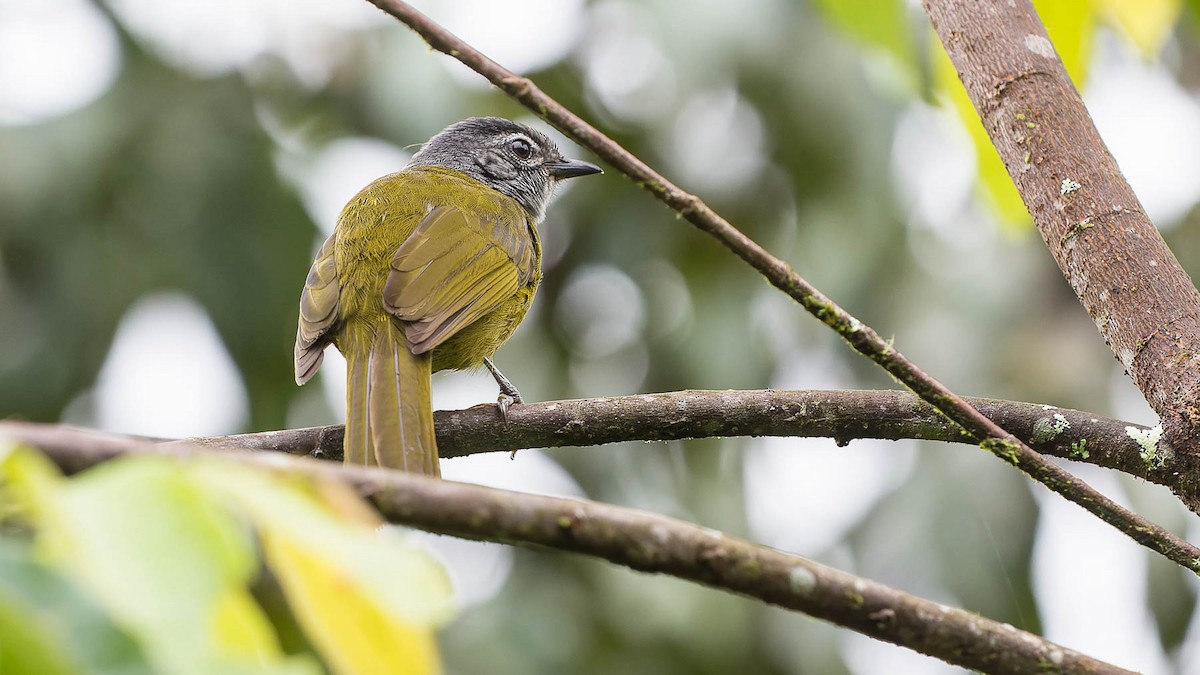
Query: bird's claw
(503, 402)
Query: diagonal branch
(860, 336)
(1142, 301)
(646, 542)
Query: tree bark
(843, 416)
(1142, 301)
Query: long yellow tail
(389, 416)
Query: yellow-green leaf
(992, 176)
(167, 549)
(166, 561)
(1072, 29)
(1147, 23)
(353, 633)
(878, 23)
(885, 30)
(366, 598)
(329, 520)
(47, 627)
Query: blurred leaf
(1072, 28)
(353, 633)
(162, 557)
(879, 23)
(1147, 23)
(876, 23)
(48, 627)
(993, 177)
(158, 544)
(339, 571)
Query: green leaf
(1072, 29)
(365, 597)
(47, 627)
(877, 23)
(166, 561)
(992, 176)
(167, 548)
(1145, 23)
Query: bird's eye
(521, 148)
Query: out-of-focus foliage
(877, 23)
(1146, 23)
(193, 192)
(1072, 27)
(166, 552)
(47, 626)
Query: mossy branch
(842, 415)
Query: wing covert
(455, 268)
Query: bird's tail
(389, 415)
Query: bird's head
(509, 157)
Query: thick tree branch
(860, 336)
(1140, 298)
(841, 415)
(646, 542)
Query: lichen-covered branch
(646, 542)
(1140, 298)
(838, 414)
(860, 336)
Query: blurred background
(168, 167)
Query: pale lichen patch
(1039, 45)
(1152, 449)
(1046, 429)
(802, 580)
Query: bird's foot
(508, 393)
(503, 403)
(506, 387)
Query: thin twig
(641, 541)
(860, 336)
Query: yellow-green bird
(429, 268)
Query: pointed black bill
(570, 168)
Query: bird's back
(384, 214)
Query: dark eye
(521, 148)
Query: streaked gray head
(512, 158)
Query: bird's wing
(455, 268)
(318, 312)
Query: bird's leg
(508, 393)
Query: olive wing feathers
(318, 312)
(455, 268)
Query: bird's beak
(570, 168)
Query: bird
(429, 268)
